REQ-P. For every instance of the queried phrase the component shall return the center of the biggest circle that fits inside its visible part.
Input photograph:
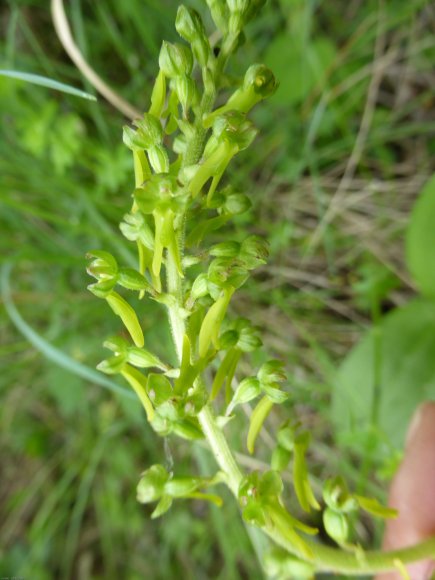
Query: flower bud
(151, 485)
(143, 359)
(132, 280)
(175, 60)
(225, 250)
(228, 339)
(272, 372)
(247, 390)
(237, 203)
(200, 287)
(190, 27)
(158, 158)
(181, 486)
(336, 525)
(261, 79)
(150, 130)
(187, 92)
(188, 23)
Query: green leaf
(420, 240)
(406, 374)
(46, 82)
(128, 317)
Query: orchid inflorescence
(181, 148)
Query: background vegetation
(346, 145)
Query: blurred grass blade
(46, 82)
(48, 350)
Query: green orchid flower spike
(181, 148)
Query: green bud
(228, 339)
(336, 525)
(234, 128)
(272, 372)
(254, 251)
(260, 78)
(141, 358)
(188, 23)
(237, 203)
(134, 228)
(227, 272)
(151, 485)
(181, 486)
(187, 92)
(150, 130)
(132, 280)
(200, 287)
(275, 395)
(158, 158)
(103, 267)
(219, 13)
(247, 390)
(225, 250)
(248, 337)
(190, 27)
(134, 140)
(175, 60)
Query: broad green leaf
(407, 374)
(420, 240)
(46, 82)
(128, 317)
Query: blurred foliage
(72, 453)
